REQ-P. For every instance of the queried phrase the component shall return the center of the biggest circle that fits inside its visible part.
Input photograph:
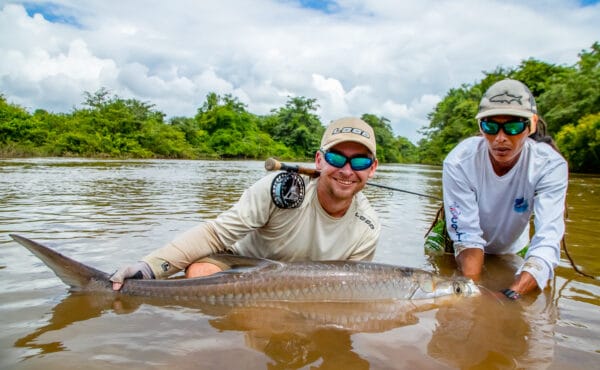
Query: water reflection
(496, 333)
(469, 333)
(292, 335)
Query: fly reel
(287, 190)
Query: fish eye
(457, 289)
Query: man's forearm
(470, 262)
(194, 244)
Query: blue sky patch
(52, 12)
(325, 6)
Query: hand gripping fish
(254, 280)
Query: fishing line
(403, 191)
(272, 164)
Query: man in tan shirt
(335, 221)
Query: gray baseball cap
(507, 97)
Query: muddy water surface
(106, 213)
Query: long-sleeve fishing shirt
(256, 227)
(492, 213)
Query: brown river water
(107, 213)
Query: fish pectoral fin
(426, 283)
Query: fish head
(456, 287)
(436, 287)
(464, 287)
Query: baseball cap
(349, 129)
(507, 97)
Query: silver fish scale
(321, 281)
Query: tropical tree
(296, 126)
(573, 93)
(15, 122)
(387, 151)
(233, 132)
(580, 144)
(194, 135)
(451, 121)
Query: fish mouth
(473, 289)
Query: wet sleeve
(543, 254)
(190, 246)
(250, 212)
(461, 209)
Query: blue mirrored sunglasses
(357, 163)
(510, 128)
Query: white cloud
(389, 58)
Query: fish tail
(73, 273)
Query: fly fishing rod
(272, 164)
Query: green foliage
(408, 150)
(573, 93)
(390, 149)
(296, 126)
(580, 143)
(384, 138)
(157, 139)
(108, 126)
(535, 74)
(435, 240)
(451, 121)
(224, 125)
(115, 127)
(15, 122)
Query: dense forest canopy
(109, 126)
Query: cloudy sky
(391, 58)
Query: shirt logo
(454, 213)
(521, 205)
(365, 220)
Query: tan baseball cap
(349, 129)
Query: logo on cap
(506, 98)
(352, 130)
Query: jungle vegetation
(109, 126)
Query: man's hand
(524, 283)
(138, 270)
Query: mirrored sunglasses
(510, 128)
(357, 163)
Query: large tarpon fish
(253, 280)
